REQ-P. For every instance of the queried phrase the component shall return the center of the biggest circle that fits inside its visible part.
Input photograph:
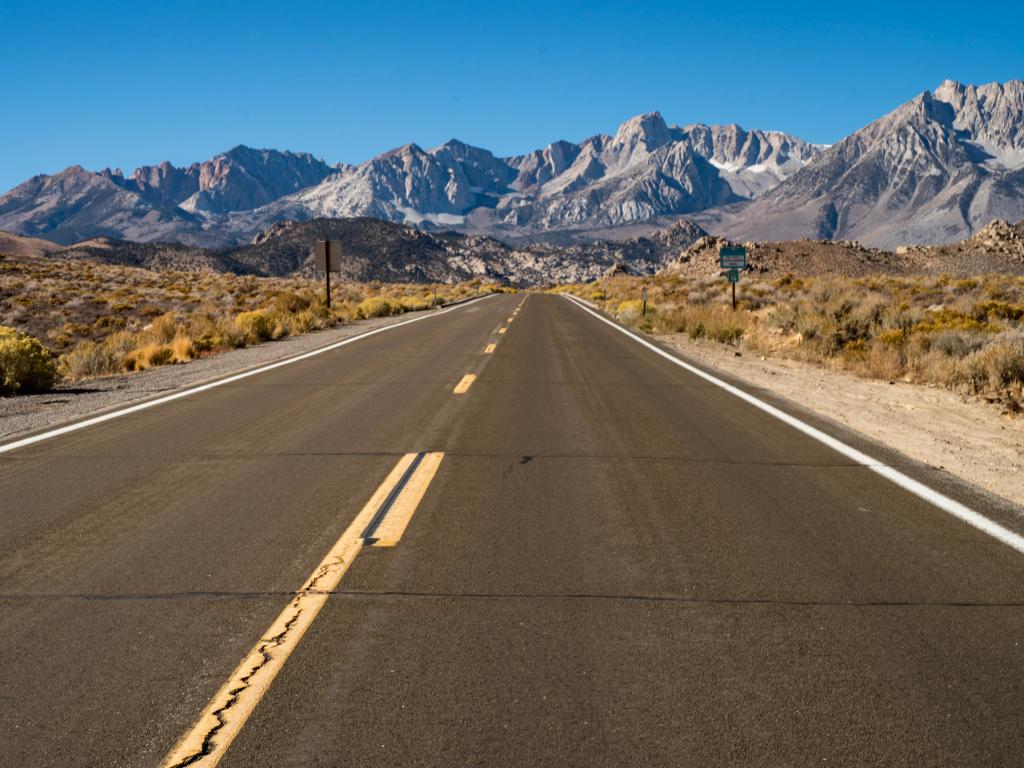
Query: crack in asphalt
(263, 649)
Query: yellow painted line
(490, 348)
(502, 330)
(206, 743)
(398, 516)
(464, 384)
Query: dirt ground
(969, 439)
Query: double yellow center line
(380, 523)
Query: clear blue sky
(122, 84)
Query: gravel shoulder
(969, 439)
(25, 414)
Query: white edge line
(922, 491)
(89, 422)
(590, 304)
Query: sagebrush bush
(375, 307)
(108, 319)
(630, 310)
(414, 303)
(256, 326)
(26, 366)
(964, 334)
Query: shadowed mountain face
(934, 170)
(648, 169)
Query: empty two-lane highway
(508, 534)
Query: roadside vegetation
(965, 334)
(73, 319)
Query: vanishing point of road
(504, 534)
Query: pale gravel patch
(969, 439)
(29, 413)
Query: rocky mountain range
(934, 170)
(648, 169)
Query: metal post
(643, 312)
(327, 274)
(734, 297)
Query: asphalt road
(616, 563)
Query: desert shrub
(181, 349)
(314, 318)
(719, 324)
(789, 284)
(106, 324)
(289, 302)
(882, 362)
(786, 317)
(629, 311)
(89, 358)
(947, 319)
(846, 333)
(26, 365)
(280, 329)
(997, 365)
(150, 355)
(255, 326)
(375, 307)
(957, 343)
(999, 310)
(162, 330)
(209, 331)
(892, 338)
(413, 303)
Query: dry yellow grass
(101, 319)
(966, 334)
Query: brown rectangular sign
(328, 255)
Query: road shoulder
(934, 427)
(25, 414)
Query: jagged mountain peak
(648, 130)
(455, 144)
(990, 117)
(410, 149)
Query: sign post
(732, 258)
(643, 312)
(328, 259)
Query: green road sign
(733, 275)
(732, 257)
